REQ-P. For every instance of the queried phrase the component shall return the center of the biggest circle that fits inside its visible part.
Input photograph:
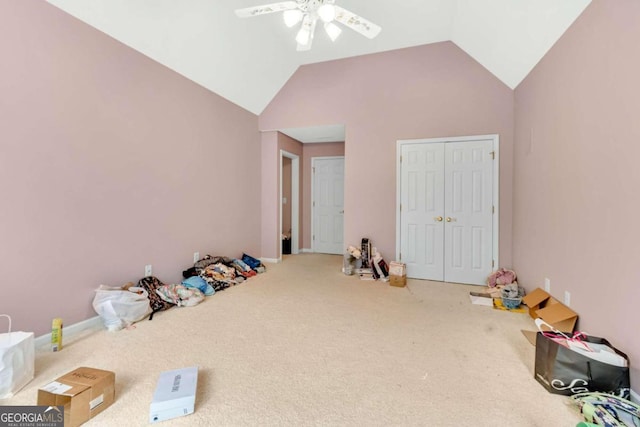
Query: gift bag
(17, 360)
(566, 365)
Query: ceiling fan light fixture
(327, 12)
(292, 17)
(333, 31)
(304, 36)
(308, 13)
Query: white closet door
(422, 210)
(468, 230)
(446, 212)
(328, 205)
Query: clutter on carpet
(17, 360)
(498, 304)
(481, 298)
(180, 295)
(56, 334)
(397, 274)
(502, 292)
(542, 305)
(501, 277)
(120, 307)
(84, 393)
(605, 409)
(175, 394)
(580, 363)
(511, 295)
(366, 262)
(351, 256)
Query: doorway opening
(289, 202)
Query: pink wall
(434, 90)
(576, 173)
(109, 161)
(270, 218)
(309, 151)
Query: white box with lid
(175, 394)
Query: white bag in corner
(119, 308)
(17, 360)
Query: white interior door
(422, 210)
(468, 230)
(328, 205)
(446, 210)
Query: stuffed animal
(501, 277)
(354, 252)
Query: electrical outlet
(567, 298)
(196, 257)
(147, 270)
(547, 285)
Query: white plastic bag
(17, 360)
(119, 308)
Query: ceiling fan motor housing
(310, 6)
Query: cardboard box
(481, 298)
(536, 300)
(541, 304)
(399, 281)
(397, 274)
(175, 394)
(84, 393)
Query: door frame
(496, 184)
(295, 202)
(313, 193)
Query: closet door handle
(438, 218)
(449, 219)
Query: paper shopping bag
(17, 360)
(564, 370)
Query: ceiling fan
(309, 12)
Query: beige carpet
(304, 345)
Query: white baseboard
(43, 342)
(271, 260)
(635, 397)
(306, 250)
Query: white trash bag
(118, 308)
(17, 360)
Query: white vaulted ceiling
(247, 61)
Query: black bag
(150, 284)
(564, 371)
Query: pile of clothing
(220, 272)
(120, 307)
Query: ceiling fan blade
(357, 23)
(308, 24)
(266, 8)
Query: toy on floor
(351, 255)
